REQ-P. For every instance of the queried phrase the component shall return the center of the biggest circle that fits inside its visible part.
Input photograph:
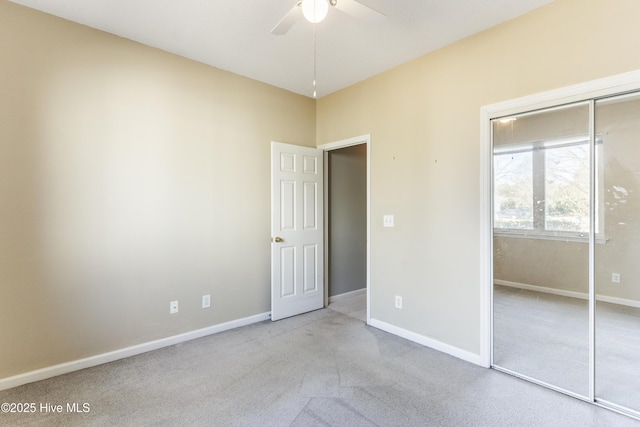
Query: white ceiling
(235, 35)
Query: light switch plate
(388, 221)
(206, 301)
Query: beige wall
(619, 126)
(425, 149)
(552, 264)
(129, 177)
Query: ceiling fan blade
(288, 20)
(360, 11)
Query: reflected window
(567, 188)
(513, 190)
(543, 187)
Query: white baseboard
(346, 295)
(88, 362)
(428, 342)
(554, 291)
(620, 301)
(571, 294)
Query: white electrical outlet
(206, 301)
(388, 221)
(398, 301)
(173, 307)
(615, 277)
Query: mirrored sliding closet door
(541, 164)
(617, 262)
(566, 248)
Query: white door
(297, 252)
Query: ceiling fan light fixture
(315, 10)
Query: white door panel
(297, 265)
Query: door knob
(278, 239)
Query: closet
(565, 189)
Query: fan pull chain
(315, 62)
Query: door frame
(326, 148)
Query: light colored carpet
(319, 369)
(542, 336)
(353, 305)
(546, 337)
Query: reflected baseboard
(570, 294)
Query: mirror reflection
(617, 262)
(542, 177)
(541, 199)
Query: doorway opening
(347, 226)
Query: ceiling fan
(316, 10)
